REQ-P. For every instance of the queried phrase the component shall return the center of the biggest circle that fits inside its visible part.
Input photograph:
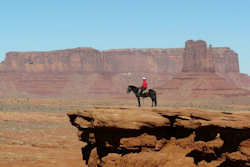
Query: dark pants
(142, 90)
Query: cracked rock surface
(126, 137)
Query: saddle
(145, 93)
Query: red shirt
(144, 84)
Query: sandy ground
(38, 139)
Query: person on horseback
(144, 85)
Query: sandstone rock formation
(85, 72)
(199, 76)
(197, 58)
(162, 137)
(118, 60)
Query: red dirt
(36, 139)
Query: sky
(42, 25)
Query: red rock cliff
(70, 60)
(197, 56)
(91, 60)
(225, 60)
(143, 60)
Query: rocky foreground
(129, 137)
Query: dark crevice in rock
(109, 139)
(232, 138)
(206, 133)
(181, 132)
(103, 151)
(227, 113)
(113, 135)
(196, 117)
(199, 156)
(168, 132)
(171, 119)
(230, 163)
(87, 118)
(85, 135)
(86, 152)
(72, 119)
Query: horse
(150, 93)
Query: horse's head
(132, 88)
(129, 89)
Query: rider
(144, 85)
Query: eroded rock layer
(161, 137)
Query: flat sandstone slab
(120, 118)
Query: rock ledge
(121, 136)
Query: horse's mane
(133, 86)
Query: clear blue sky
(34, 25)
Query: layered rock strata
(201, 84)
(83, 72)
(92, 60)
(161, 137)
(121, 60)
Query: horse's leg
(151, 100)
(139, 103)
(155, 100)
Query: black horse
(150, 93)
